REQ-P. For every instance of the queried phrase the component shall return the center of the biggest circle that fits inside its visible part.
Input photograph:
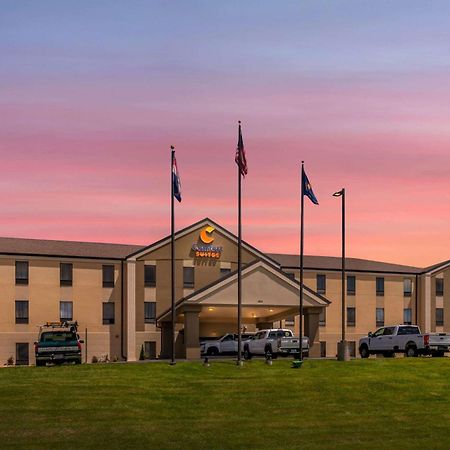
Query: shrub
(10, 361)
(142, 354)
(94, 360)
(115, 358)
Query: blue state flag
(176, 180)
(307, 188)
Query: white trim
(438, 269)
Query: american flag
(240, 154)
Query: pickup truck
(58, 342)
(226, 345)
(275, 342)
(406, 339)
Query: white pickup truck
(405, 339)
(226, 345)
(275, 342)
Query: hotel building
(121, 294)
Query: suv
(58, 342)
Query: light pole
(343, 351)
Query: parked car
(406, 339)
(58, 342)
(275, 342)
(226, 345)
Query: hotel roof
(98, 250)
(41, 247)
(334, 263)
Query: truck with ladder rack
(58, 342)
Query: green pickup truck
(58, 342)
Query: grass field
(376, 403)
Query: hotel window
(22, 354)
(150, 312)
(407, 316)
(439, 287)
(380, 286)
(321, 284)
(407, 287)
(108, 313)
(322, 318)
(150, 350)
(290, 321)
(351, 285)
(65, 274)
(188, 277)
(351, 317)
(380, 317)
(21, 272)
(22, 311)
(65, 311)
(108, 276)
(323, 349)
(150, 275)
(224, 271)
(439, 317)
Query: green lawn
(376, 403)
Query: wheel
(78, 361)
(212, 351)
(364, 351)
(388, 354)
(247, 354)
(437, 354)
(411, 351)
(40, 363)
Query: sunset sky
(92, 95)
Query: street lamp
(343, 351)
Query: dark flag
(307, 189)
(240, 154)
(176, 179)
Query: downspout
(417, 302)
(122, 313)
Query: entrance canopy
(268, 295)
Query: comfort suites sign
(204, 248)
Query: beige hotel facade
(120, 294)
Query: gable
(260, 287)
(204, 237)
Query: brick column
(131, 310)
(192, 331)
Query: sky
(92, 95)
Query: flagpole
(343, 354)
(302, 204)
(239, 312)
(172, 253)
